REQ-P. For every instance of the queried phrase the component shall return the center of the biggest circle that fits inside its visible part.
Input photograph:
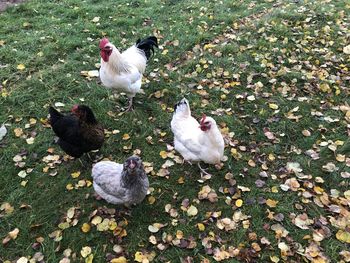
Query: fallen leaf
(3, 131)
(192, 211)
(273, 106)
(22, 260)
(59, 104)
(271, 202)
(21, 67)
(239, 202)
(18, 132)
(119, 260)
(96, 19)
(85, 228)
(151, 200)
(85, 251)
(201, 227)
(346, 49)
(10, 236)
(126, 136)
(343, 236)
(75, 174)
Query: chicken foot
(203, 171)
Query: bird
(78, 132)
(120, 184)
(196, 141)
(123, 71)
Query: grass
(282, 52)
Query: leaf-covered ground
(275, 76)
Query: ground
(273, 74)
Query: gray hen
(121, 184)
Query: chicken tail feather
(182, 108)
(54, 115)
(147, 45)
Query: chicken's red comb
(75, 108)
(203, 118)
(104, 41)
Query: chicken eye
(207, 122)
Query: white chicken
(123, 71)
(120, 184)
(196, 141)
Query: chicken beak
(132, 165)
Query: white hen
(196, 141)
(121, 183)
(123, 71)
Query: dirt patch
(5, 4)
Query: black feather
(179, 103)
(147, 45)
(54, 115)
(77, 135)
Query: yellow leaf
(271, 203)
(271, 157)
(151, 200)
(96, 220)
(69, 187)
(63, 225)
(18, 132)
(318, 190)
(75, 174)
(274, 189)
(233, 151)
(21, 67)
(126, 136)
(340, 157)
(85, 251)
(192, 211)
(324, 87)
(273, 106)
(274, 259)
(138, 256)
(88, 183)
(85, 228)
(163, 154)
(30, 140)
(7, 208)
(201, 226)
(239, 202)
(181, 180)
(14, 233)
(119, 260)
(343, 236)
(89, 259)
(251, 163)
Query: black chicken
(78, 132)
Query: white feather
(193, 143)
(123, 72)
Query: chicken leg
(130, 107)
(203, 171)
